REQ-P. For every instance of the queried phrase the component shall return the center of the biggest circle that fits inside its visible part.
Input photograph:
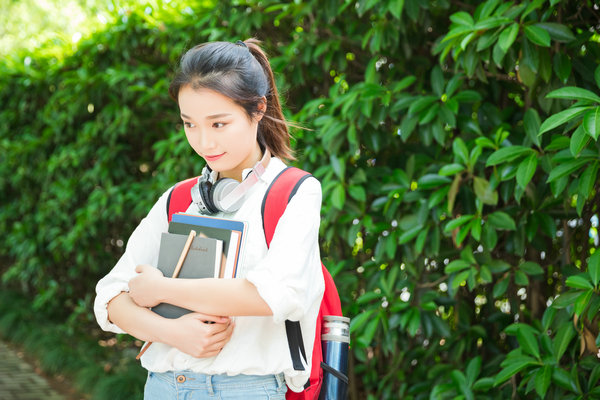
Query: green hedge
(457, 145)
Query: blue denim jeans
(186, 385)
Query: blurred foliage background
(457, 145)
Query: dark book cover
(203, 260)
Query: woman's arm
(209, 295)
(190, 333)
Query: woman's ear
(261, 108)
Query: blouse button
(180, 378)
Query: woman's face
(219, 131)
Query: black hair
(241, 72)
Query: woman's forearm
(139, 322)
(228, 297)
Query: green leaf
(579, 282)
(500, 288)
(421, 104)
(467, 96)
(396, 7)
(462, 18)
(483, 384)
(566, 299)
(531, 268)
(587, 180)
(501, 220)
(583, 302)
(437, 197)
(507, 154)
(359, 320)
(558, 32)
(543, 378)
(561, 341)
(526, 170)
(485, 274)
(437, 81)
(459, 148)
(532, 122)
(591, 123)
(339, 167)
(508, 36)
(473, 370)
(527, 339)
(369, 332)
(456, 265)
(357, 193)
(561, 118)
(498, 266)
(514, 367)
(597, 76)
(531, 7)
(594, 267)
(484, 192)
(578, 141)
(455, 223)
(491, 23)
(430, 181)
(521, 278)
(566, 168)
(410, 234)
(562, 66)
(548, 318)
(537, 35)
(459, 278)
(420, 242)
(563, 379)
(451, 169)
(461, 382)
(338, 196)
(574, 93)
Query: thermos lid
(336, 328)
(336, 318)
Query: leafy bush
(457, 145)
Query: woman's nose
(206, 141)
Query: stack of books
(213, 253)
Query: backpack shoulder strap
(180, 197)
(278, 195)
(276, 199)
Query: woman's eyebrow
(215, 116)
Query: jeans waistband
(212, 383)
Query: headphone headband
(236, 194)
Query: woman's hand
(145, 288)
(200, 335)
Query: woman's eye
(218, 125)
(188, 124)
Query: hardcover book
(203, 260)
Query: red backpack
(278, 195)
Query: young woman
(232, 118)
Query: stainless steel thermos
(335, 339)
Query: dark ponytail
(240, 71)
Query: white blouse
(287, 275)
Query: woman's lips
(213, 158)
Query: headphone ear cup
(205, 189)
(220, 190)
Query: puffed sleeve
(289, 278)
(142, 248)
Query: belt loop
(280, 380)
(209, 385)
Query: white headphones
(225, 194)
